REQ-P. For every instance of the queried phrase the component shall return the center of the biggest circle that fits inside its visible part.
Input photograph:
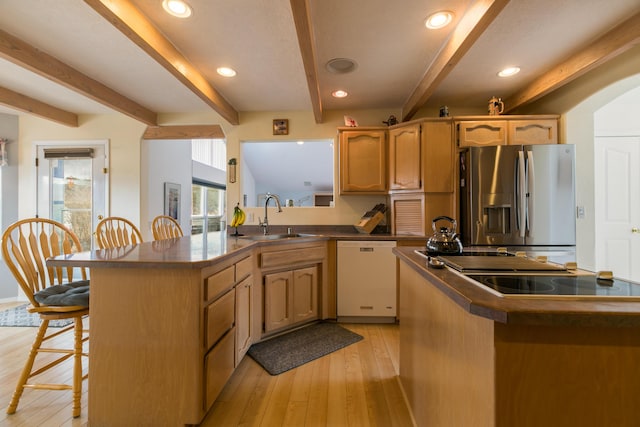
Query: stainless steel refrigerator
(515, 195)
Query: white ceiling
(258, 38)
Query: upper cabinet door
(405, 166)
(363, 161)
(527, 132)
(482, 133)
(438, 150)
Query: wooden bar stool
(165, 227)
(54, 293)
(114, 232)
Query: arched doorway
(617, 185)
(579, 129)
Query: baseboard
(366, 319)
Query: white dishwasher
(366, 281)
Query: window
(207, 208)
(208, 195)
(211, 152)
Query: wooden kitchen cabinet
(290, 298)
(363, 160)
(430, 165)
(438, 156)
(244, 318)
(305, 294)
(228, 323)
(245, 308)
(413, 213)
(176, 349)
(219, 365)
(405, 159)
(527, 132)
(292, 278)
(219, 321)
(422, 157)
(480, 131)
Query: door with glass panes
(72, 185)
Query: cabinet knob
(635, 230)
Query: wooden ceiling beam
(184, 132)
(471, 26)
(26, 104)
(123, 15)
(304, 30)
(18, 52)
(615, 42)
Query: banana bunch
(238, 216)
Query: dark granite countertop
(535, 311)
(189, 252)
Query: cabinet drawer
(293, 256)
(243, 268)
(218, 367)
(219, 282)
(219, 317)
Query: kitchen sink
(276, 236)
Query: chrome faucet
(265, 223)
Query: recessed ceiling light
(439, 20)
(177, 8)
(341, 65)
(508, 72)
(226, 71)
(339, 94)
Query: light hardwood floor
(354, 386)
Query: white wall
(164, 161)
(621, 116)
(9, 191)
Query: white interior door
(72, 185)
(617, 199)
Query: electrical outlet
(580, 212)
(250, 217)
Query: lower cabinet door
(277, 300)
(305, 294)
(244, 317)
(219, 364)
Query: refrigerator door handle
(531, 179)
(521, 196)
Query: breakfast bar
(471, 357)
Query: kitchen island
(471, 358)
(169, 322)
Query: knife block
(368, 223)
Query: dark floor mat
(298, 347)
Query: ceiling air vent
(341, 65)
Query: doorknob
(100, 217)
(635, 230)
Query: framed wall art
(281, 126)
(172, 200)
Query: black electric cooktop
(583, 285)
(468, 253)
